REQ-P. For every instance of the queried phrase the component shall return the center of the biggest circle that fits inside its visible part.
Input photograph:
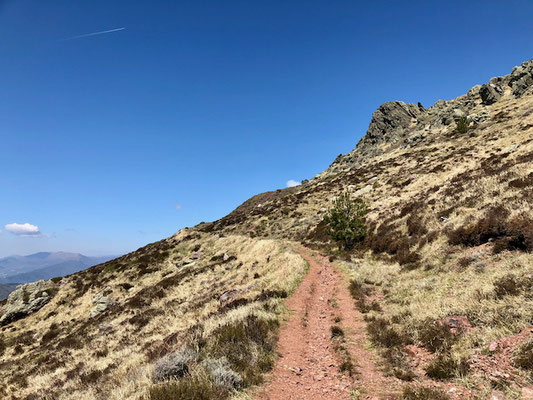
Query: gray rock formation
(25, 300)
(396, 124)
(489, 94)
(102, 302)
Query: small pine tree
(463, 125)
(346, 220)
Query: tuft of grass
(423, 393)
(436, 336)
(248, 346)
(512, 285)
(446, 367)
(523, 356)
(336, 331)
(198, 387)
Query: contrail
(94, 34)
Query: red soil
(308, 367)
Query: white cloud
(293, 183)
(177, 206)
(23, 229)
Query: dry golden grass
(117, 363)
(418, 196)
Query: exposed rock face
(102, 302)
(26, 300)
(489, 94)
(391, 117)
(396, 124)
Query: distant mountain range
(5, 290)
(44, 265)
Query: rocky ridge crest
(396, 124)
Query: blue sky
(206, 103)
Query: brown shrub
(523, 356)
(521, 183)
(512, 285)
(383, 333)
(436, 336)
(514, 233)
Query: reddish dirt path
(308, 365)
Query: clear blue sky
(206, 103)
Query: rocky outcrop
(490, 94)
(391, 118)
(25, 300)
(102, 302)
(396, 124)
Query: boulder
(457, 324)
(229, 295)
(102, 302)
(186, 261)
(458, 113)
(489, 94)
(390, 120)
(25, 300)
(521, 79)
(363, 190)
(510, 148)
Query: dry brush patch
(193, 288)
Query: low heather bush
(221, 373)
(174, 366)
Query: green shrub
(463, 125)
(346, 220)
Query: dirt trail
(308, 367)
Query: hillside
(44, 265)
(442, 282)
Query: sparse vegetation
(423, 393)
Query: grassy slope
(409, 265)
(450, 233)
(59, 353)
